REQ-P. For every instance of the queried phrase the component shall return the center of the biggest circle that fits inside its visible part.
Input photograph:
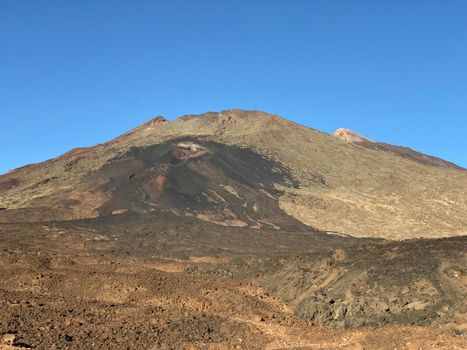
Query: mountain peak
(349, 135)
(155, 121)
(229, 114)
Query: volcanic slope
(353, 137)
(244, 168)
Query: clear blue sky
(77, 73)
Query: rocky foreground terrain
(234, 230)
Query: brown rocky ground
(159, 282)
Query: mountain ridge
(405, 152)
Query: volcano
(246, 169)
(234, 230)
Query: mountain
(247, 169)
(349, 136)
(405, 152)
(234, 230)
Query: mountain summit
(349, 135)
(246, 169)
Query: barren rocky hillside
(234, 230)
(244, 168)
